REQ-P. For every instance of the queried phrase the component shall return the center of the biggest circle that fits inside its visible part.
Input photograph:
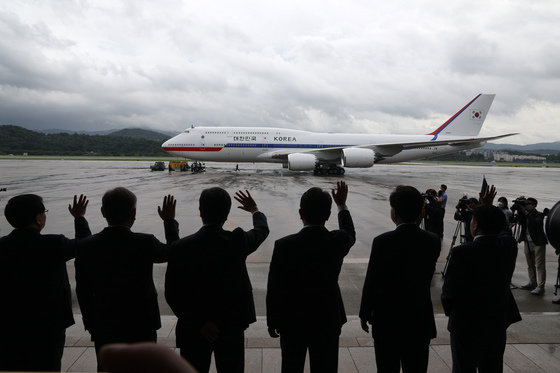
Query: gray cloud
(324, 66)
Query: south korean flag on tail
(476, 115)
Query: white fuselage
(263, 144)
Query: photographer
(434, 213)
(463, 213)
(532, 233)
(503, 205)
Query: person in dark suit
(396, 297)
(207, 284)
(303, 301)
(36, 301)
(476, 294)
(433, 214)
(511, 249)
(114, 281)
(532, 233)
(509, 243)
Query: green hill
(138, 133)
(18, 140)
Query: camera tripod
(459, 232)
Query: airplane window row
(234, 145)
(250, 133)
(236, 133)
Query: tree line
(17, 140)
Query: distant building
(505, 157)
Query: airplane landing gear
(327, 169)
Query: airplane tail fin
(467, 121)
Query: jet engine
(358, 157)
(301, 162)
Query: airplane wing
(389, 149)
(392, 149)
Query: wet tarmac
(277, 192)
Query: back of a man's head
(489, 219)
(315, 206)
(532, 201)
(119, 206)
(20, 211)
(214, 205)
(407, 202)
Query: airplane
(330, 153)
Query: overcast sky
(337, 66)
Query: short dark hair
(532, 200)
(118, 205)
(504, 200)
(214, 205)
(20, 211)
(315, 206)
(490, 219)
(407, 202)
(443, 186)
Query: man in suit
(36, 302)
(303, 301)
(396, 297)
(476, 294)
(207, 284)
(114, 281)
(433, 214)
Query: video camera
(428, 197)
(463, 203)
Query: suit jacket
(114, 281)
(34, 285)
(396, 297)
(510, 246)
(476, 294)
(433, 219)
(207, 278)
(303, 293)
(533, 222)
